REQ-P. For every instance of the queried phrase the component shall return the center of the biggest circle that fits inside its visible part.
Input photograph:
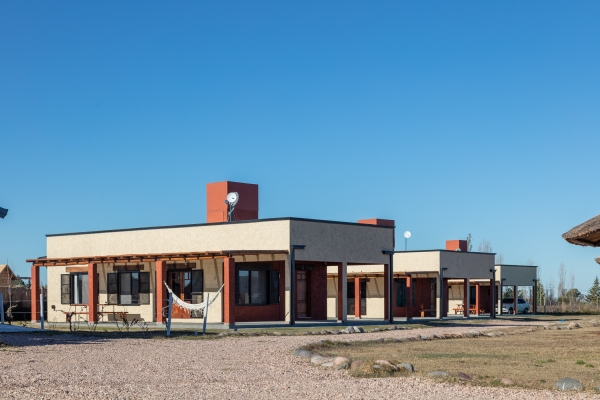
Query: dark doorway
(180, 283)
(303, 294)
(363, 297)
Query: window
(74, 288)
(256, 285)
(128, 288)
(401, 292)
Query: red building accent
(35, 294)
(270, 312)
(456, 244)
(92, 292)
(340, 298)
(229, 291)
(161, 290)
(409, 297)
(357, 297)
(245, 209)
(381, 222)
(466, 305)
(477, 295)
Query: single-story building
(270, 269)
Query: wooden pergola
(137, 258)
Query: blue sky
(448, 117)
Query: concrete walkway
(5, 328)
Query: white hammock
(192, 307)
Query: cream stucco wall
(459, 264)
(259, 235)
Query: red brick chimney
(245, 209)
(453, 245)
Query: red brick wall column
(162, 298)
(35, 294)
(229, 291)
(356, 297)
(477, 288)
(386, 294)
(92, 292)
(409, 296)
(466, 298)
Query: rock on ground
(565, 384)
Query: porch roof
(126, 258)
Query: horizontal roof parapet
(128, 258)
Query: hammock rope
(200, 307)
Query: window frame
(70, 276)
(140, 289)
(269, 273)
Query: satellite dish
(407, 234)
(232, 198)
(458, 249)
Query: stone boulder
(507, 381)
(464, 377)
(340, 360)
(439, 374)
(303, 353)
(385, 363)
(406, 366)
(356, 364)
(565, 384)
(573, 325)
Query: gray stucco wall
(517, 275)
(332, 242)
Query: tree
(560, 292)
(469, 242)
(499, 258)
(593, 295)
(541, 294)
(485, 247)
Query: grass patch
(533, 360)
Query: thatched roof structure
(586, 234)
(598, 260)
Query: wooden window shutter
(65, 289)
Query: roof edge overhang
(251, 221)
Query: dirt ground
(251, 367)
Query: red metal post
(409, 296)
(229, 291)
(35, 293)
(492, 298)
(161, 290)
(466, 298)
(477, 287)
(356, 297)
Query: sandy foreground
(263, 367)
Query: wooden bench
(459, 309)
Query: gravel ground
(65, 366)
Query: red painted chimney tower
(245, 209)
